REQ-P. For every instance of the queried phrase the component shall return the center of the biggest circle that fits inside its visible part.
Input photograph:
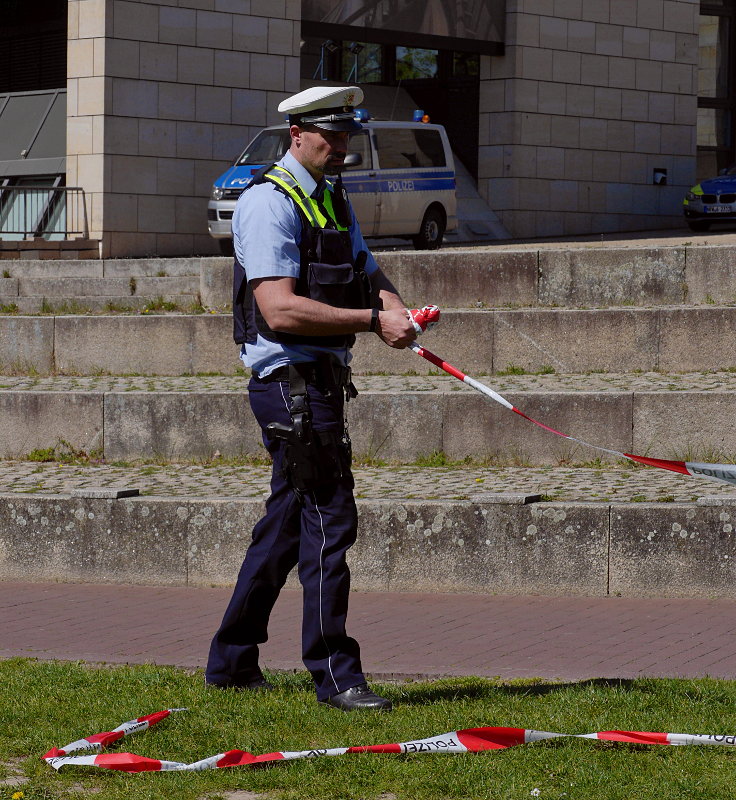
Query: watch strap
(374, 320)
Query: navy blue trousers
(315, 532)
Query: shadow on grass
(479, 688)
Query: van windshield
(268, 146)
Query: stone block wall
(587, 101)
(160, 102)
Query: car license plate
(718, 209)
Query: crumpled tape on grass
(470, 740)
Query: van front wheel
(431, 231)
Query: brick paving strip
(402, 635)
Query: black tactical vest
(327, 271)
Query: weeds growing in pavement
(438, 458)
(702, 453)
(116, 308)
(196, 307)
(72, 307)
(99, 698)
(63, 452)
(19, 369)
(159, 304)
(513, 369)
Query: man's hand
(395, 328)
(424, 319)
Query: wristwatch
(374, 320)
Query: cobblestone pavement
(721, 381)
(615, 482)
(609, 483)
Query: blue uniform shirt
(267, 230)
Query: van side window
(359, 143)
(430, 143)
(403, 148)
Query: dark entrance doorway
(444, 84)
(33, 44)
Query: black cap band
(342, 116)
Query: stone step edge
(623, 549)
(552, 276)
(683, 340)
(448, 391)
(113, 306)
(224, 311)
(172, 426)
(174, 267)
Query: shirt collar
(304, 179)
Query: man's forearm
(287, 312)
(306, 317)
(386, 292)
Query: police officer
(304, 285)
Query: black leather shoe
(357, 698)
(259, 684)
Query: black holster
(311, 458)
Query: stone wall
(159, 103)
(588, 100)
(490, 544)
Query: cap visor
(349, 125)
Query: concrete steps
(486, 544)
(105, 268)
(108, 304)
(632, 348)
(80, 294)
(395, 419)
(669, 339)
(587, 275)
(584, 276)
(112, 285)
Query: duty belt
(327, 375)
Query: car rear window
(402, 148)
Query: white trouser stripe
(321, 626)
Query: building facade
(574, 116)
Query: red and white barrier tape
(723, 473)
(470, 740)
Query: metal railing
(48, 212)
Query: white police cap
(327, 107)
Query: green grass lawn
(46, 704)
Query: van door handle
(371, 174)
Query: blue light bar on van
(362, 114)
(418, 114)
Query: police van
(400, 177)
